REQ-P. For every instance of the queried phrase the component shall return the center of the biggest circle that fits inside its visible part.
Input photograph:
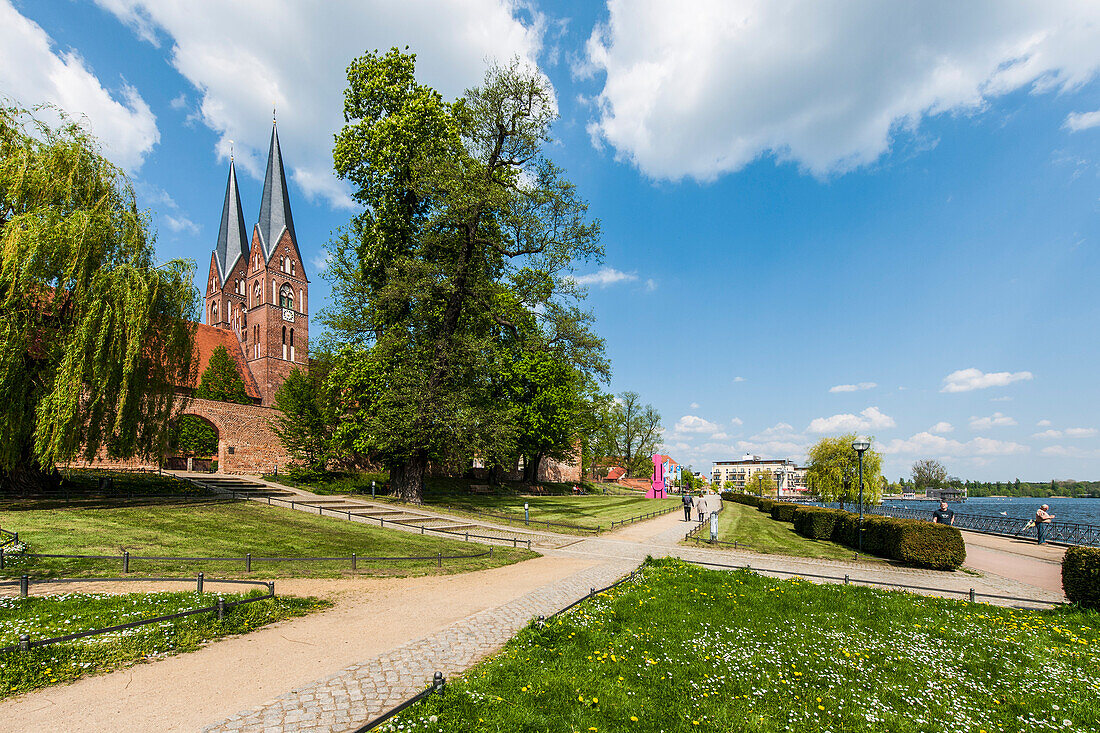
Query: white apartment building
(788, 476)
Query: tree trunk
(24, 480)
(407, 479)
(531, 468)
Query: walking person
(701, 506)
(943, 515)
(686, 500)
(1043, 520)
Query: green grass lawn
(52, 616)
(759, 532)
(219, 529)
(686, 649)
(561, 505)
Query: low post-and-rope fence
(640, 517)
(25, 583)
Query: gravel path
(384, 639)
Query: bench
(481, 489)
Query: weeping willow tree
(93, 335)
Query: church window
(291, 344)
(286, 297)
(284, 342)
(273, 296)
(301, 300)
(258, 294)
(292, 268)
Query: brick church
(257, 293)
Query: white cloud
(736, 421)
(1003, 398)
(1043, 423)
(965, 380)
(179, 102)
(650, 285)
(694, 405)
(181, 224)
(779, 429)
(941, 427)
(243, 57)
(603, 277)
(703, 88)
(1048, 434)
(738, 379)
(1069, 451)
(996, 420)
(853, 387)
(1077, 121)
(720, 436)
(693, 424)
(31, 73)
(321, 261)
(869, 419)
(1080, 432)
(929, 445)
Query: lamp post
(859, 446)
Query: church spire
(232, 239)
(275, 203)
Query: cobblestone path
(360, 692)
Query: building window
(257, 294)
(284, 342)
(286, 297)
(292, 268)
(291, 344)
(301, 300)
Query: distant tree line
(1016, 487)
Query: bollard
(528, 544)
(248, 562)
(271, 587)
(422, 529)
(971, 595)
(845, 578)
(526, 514)
(591, 592)
(1, 558)
(221, 609)
(490, 552)
(353, 561)
(24, 585)
(372, 489)
(24, 642)
(439, 560)
(542, 620)
(198, 584)
(438, 682)
(125, 562)
(381, 522)
(467, 536)
(513, 542)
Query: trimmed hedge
(765, 504)
(910, 541)
(784, 511)
(926, 544)
(815, 522)
(1081, 576)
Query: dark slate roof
(275, 203)
(232, 238)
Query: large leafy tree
(94, 334)
(546, 393)
(928, 473)
(761, 483)
(630, 432)
(833, 471)
(308, 422)
(460, 257)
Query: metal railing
(971, 594)
(1069, 533)
(7, 538)
(125, 558)
(26, 643)
(640, 517)
(342, 513)
(515, 518)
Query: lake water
(1081, 511)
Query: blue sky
(817, 216)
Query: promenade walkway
(385, 638)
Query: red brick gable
(208, 338)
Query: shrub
(765, 504)
(784, 511)
(1081, 576)
(816, 523)
(925, 544)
